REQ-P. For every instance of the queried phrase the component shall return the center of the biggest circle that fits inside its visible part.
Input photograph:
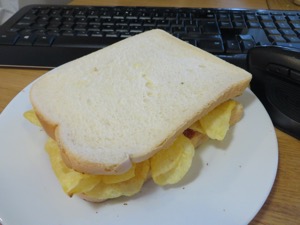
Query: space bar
(83, 42)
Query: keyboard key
(178, 29)
(273, 31)
(26, 39)
(283, 25)
(245, 37)
(162, 23)
(293, 39)
(38, 26)
(190, 23)
(8, 39)
(254, 24)
(92, 28)
(68, 33)
(30, 17)
(45, 40)
(136, 30)
(126, 35)
(55, 12)
(44, 11)
(211, 27)
(82, 33)
(193, 29)
(80, 27)
(276, 38)
(268, 24)
(122, 29)
(55, 32)
(25, 22)
(212, 46)
(79, 13)
(290, 45)
(96, 34)
(63, 27)
(112, 35)
(40, 32)
(82, 20)
(295, 24)
(233, 46)
(238, 17)
(239, 25)
(226, 24)
(247, 45)
(67, 12)
(293, 18)
(224, 17)
(58, 25)
(265, 18)
(251, 17)
(92, 14)
(287, 32)
(279, 18)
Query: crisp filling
(166, 167)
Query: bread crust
(73, 161)
(77, 163)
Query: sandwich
(134, 111)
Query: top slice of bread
(127, 101)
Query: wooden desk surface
(283, 203)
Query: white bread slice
(127, 101)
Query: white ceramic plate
(227, 184)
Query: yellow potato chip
(166, 159)
(217, 122)
(74, 182)
(197, 127)
(86, 183)
(30, 115)
(170, 165)
(125, 188)
(71, 181)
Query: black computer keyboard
(49, 35)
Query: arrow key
(26, 39)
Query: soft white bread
(125, 102)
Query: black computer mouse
(276, 82)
